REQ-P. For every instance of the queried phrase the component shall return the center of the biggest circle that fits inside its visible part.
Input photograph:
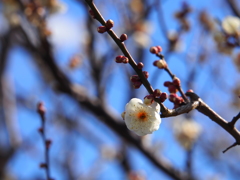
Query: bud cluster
(136, 81)
(155, 49)
(149, 99)
(176, 100)
(109, 24)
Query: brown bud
(157, 93)
(167, 83)
(48, 143)
(119, 59)
(140, 65)
(40, 130)
(172, 97)
(134, 78)
(172, 89)
(146, 74)
(101, 29)
(137, 84)
(159, 48)
(154, 50)
(176, 81)
(123, 37)
(109, 24)
(41, 108)
(163, 97)
(125, 60)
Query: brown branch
(123, 48)
(207, 111)
(95, 106)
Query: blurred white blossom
(140, 118)
(186, 132)
(231, 25)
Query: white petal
(231, 25)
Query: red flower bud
(157, 93)
(172, 89)
(148, 100)
(176, 81)
(154, 50)
(123, 37)
(134, 78)
(167, 83)
(172, 97)
(137, 84)
(140, 65)
(119, 59)
(178, 100)
(125, 60)
(109, 24)
(102, 29)
(163, 97)
(146, 74)
(159, 48)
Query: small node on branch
(101, 29)
(48, 143)
(123, 37)
(40, 130)
(140, 65)
(234, 120)
(41, 109)
(109, 24)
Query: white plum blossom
(186, 132)
(141, 118)
(231, 25)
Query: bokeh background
(50, 51)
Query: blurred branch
(234, 7)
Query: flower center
(142, 116)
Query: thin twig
(234, 120)
(233, 145)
